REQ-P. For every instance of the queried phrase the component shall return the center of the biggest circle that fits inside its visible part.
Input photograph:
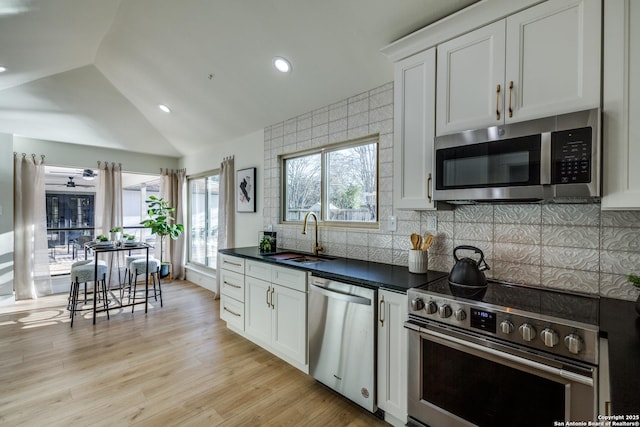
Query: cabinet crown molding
(470, 18)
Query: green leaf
(635, 280)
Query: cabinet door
(553, 59)
(392, 354)
(471, 80)
(414, 131)
(258, 310)
(621, 105)
(289, 323)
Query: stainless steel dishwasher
(342, 339)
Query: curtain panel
(226, 211)
(108, 210)
(173, 188)
(108, 213)
(31, 259)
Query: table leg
(95, 287)
(146, 283)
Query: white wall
(83, 156)
(248, 152)
(6, 216)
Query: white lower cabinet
(392, 356)
(276, 312)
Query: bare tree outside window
(303, 185)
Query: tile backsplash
(575, 247)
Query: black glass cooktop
(570, 306)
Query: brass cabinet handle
(382, 311)
(498, 102)
(232, 263)
(510, 93)
(429, 179)
(232, 312)
(268, 303)
(272, 305)
(232, 285)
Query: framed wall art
(246, 190)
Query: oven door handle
(572, 376)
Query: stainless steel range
(513, 355)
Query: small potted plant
(101, 238)
(116, 233)
(162, 224)
(635, 281)
(265, 244)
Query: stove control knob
(431, 307)
(574, 343)
(506, 326)
(527, 331)
(460, 314)
(549, 337)
(444, 311)
(417, 304)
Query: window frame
(205, 175)
(324, 182)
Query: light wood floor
(176, 365)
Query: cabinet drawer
(232, 312)
(259, 270)
(294, 279)
(232, 284)
(232, 263)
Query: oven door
(462, 379)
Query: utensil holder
(418, 261)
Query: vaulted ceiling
(93, 72)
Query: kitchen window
(203, 219)
(338, 182)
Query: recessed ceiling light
(164, 108)
(2, 69)
(281, 64)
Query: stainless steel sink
(307, 259)
(299, 258)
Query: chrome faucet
(316, 246)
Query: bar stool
(83, 272)
(138, 267)
(127, 269)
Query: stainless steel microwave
(551, 159)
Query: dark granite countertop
(620, 323)
(365, 273)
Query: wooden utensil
(428, 241)
(415, 241)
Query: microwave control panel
(571, 156)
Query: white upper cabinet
(414, 121)
(621, 105)
(539, 62)
(471, 80)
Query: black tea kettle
(468, 272)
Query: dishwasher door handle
(340, 296)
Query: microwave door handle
(545, 158)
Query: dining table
(115, 247)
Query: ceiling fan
(70, 184)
